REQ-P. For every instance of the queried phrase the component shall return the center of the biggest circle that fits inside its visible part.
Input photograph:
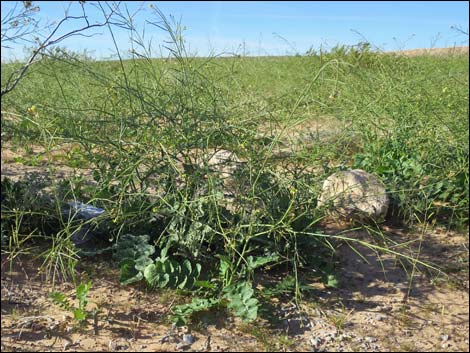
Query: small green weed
(80, 314)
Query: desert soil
(376, 308)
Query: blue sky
(274, 27)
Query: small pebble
(182, 345)
(316, 342)
(112, 345)
(375, 348)
(379, 317)
(407, 333)
(329, 338)
(444, 338)
(165, 339)
(370, 339)
(188, 338)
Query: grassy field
(137, 136)
(404, 119)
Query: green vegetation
(147, 128)
(80, 314)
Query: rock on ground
(355, 194)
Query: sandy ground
(371, 311)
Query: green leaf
(60, 299)
(142, 262)
(287, 285)
(164, 252)
(241, 301)
(165, 279)
(252, 313)
(130, 246)
(225, 265)
(134, 254)
(332, 281)
(79, 315)
(82, 291)
(260, 261)
(246, 293)
(183, 283)
(187, 266)
(169, 273)
(198, 270)
(204, 284)
(129, 274)
(152, 275)
(182, 313)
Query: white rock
(355, 194)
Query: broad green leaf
(241, 301)
(259, 261)
(183, 282)
(198, 270)
(164, 280)
(142, 262)
(129, 274)
(183, 312)
(152, 275)
(187, 266)
(225, 265)
(82, 291)
(251, 313)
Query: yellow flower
(292, 190)
(32, 110)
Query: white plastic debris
(85, 211)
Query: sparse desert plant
(147, 129)
(80, 313)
